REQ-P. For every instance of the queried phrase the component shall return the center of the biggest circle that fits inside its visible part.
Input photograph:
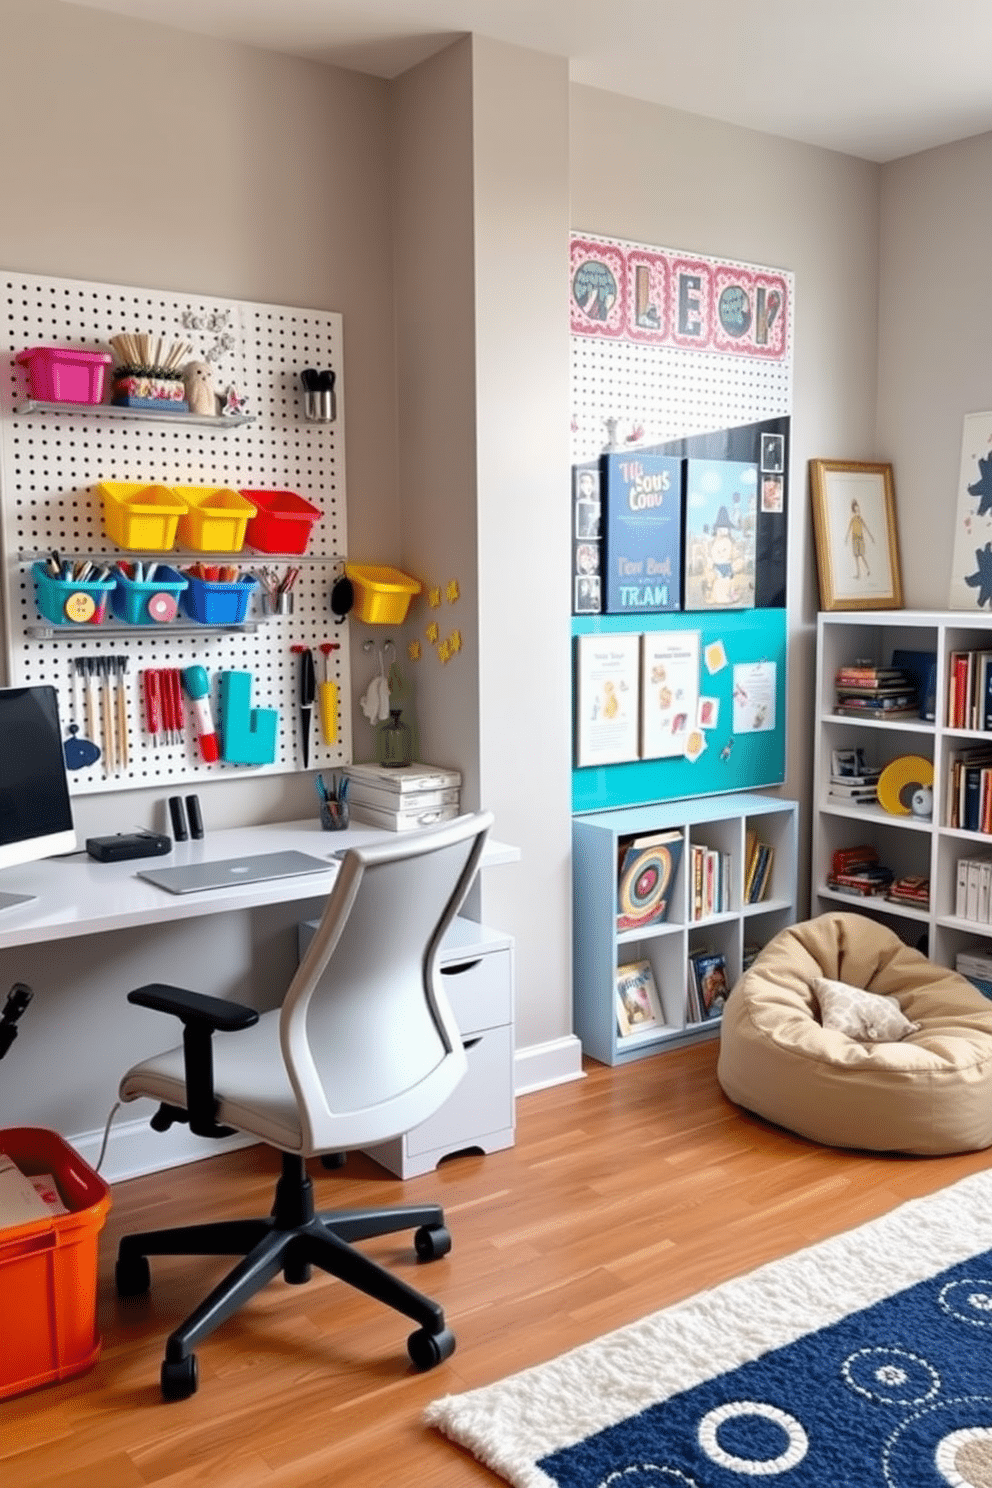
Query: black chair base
(293, 1239)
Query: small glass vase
(392, 741)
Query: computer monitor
(35, 808)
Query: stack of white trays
(403, 797)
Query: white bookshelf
(718, 822)
(906, 844)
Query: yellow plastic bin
(48, 1268)
(382, 595)
(137, 515)
(215, 518)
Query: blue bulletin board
(740, 651)
(678, 357)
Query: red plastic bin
(61, 374)
(282, 522)
(48, 1269)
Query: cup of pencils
(334, 814)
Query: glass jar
(392, 741)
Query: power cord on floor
(106, 1136)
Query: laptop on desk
(226, 873)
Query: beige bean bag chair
(911, 1074)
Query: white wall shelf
(906, 844)
(721, 822)
(220, 423)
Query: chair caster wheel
(179, 1380)
(132, 1276)
(427, 1350)
(431, 1244)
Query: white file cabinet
(477, 967)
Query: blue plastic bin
(131, 598)
(216, 603)
(53, 595)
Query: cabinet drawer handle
(470, 1043)
(461, 967)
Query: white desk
(75, 895)
(85, 941)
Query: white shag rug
(514, 1424)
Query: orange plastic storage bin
(48, 1269)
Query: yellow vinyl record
(900, 780)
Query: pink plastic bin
(59, 374)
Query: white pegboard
(51, 461)
(657, 392)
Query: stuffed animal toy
(200, 394)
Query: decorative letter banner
(629, 292)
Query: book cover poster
(607, 699)
(638, 1004)
(971, 566)
(646, 880)
(669, 691)
(643, 533)
(721, 499)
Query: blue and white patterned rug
(863, 1360)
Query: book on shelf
(966, 792)
(638, 1005)
(973, 889)
(642, 558)
(922, 667)
(862, 855)
(868, 882)
(708, 977)
(646, 873)
(910, 889)
(757, 871)
(903, 705)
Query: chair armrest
(194, 1007)
(202, 1016)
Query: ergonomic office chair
(363, 1048)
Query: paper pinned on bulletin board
(669, 691)
(607, 692)
(731, 669)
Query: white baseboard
(555, 1063)
(133, 1148)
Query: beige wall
(935, 344)
(254, 176)
(522, 413)
(447, 195)
(672, 179)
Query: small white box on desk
(402, 820)
(360, 794)
(399, 780)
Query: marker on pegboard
(328, 697)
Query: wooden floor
(625, 1192)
